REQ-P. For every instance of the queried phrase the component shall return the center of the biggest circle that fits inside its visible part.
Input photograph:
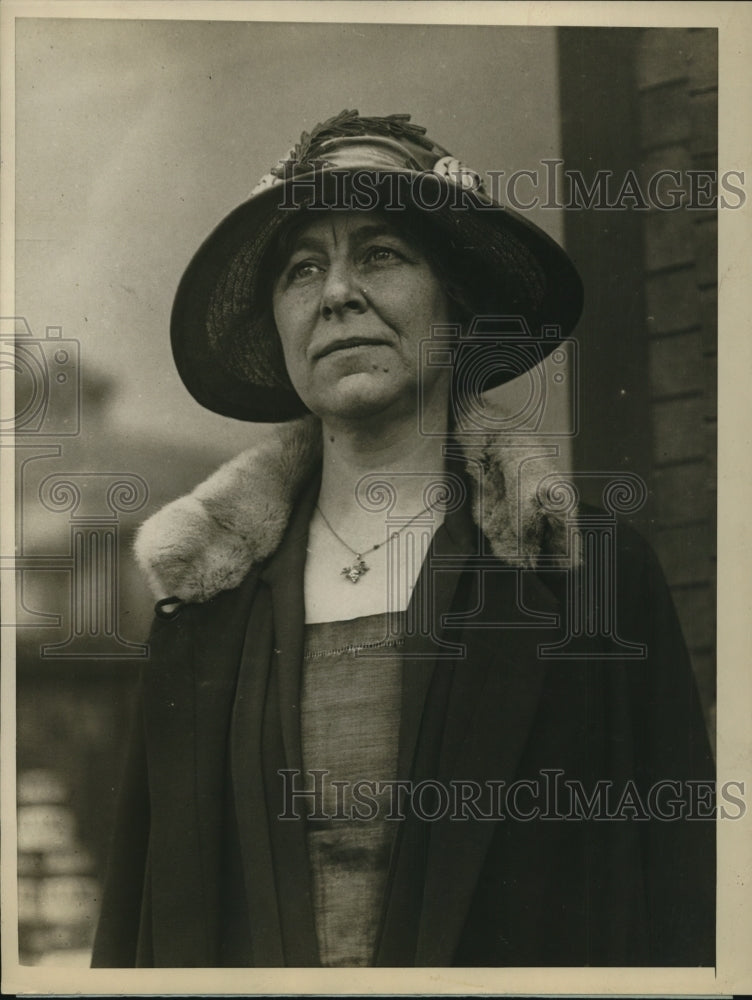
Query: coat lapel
(464, 716)
(247, 770)
(426, 663)
(422, 651)
(284, 575)
(282, 747)
(494, 693)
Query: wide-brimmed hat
(224, 341)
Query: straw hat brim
(227, 351)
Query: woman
(367, 733)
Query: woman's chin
(362, 395)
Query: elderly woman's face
(352, 303)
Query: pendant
(354, 572)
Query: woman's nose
(341, 291)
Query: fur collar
(207, 541)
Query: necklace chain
(360, 567)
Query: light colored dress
(352, 684)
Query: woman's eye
(302, 270)
(381, 255)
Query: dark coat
(204, 874)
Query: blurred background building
(133, 140)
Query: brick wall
(645, 100)
(677, 87)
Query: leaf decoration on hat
(346, 124)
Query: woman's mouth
(347, 343)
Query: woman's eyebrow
(306, 243)
(369, 231)
(360, 234)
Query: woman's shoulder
(206, 542)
